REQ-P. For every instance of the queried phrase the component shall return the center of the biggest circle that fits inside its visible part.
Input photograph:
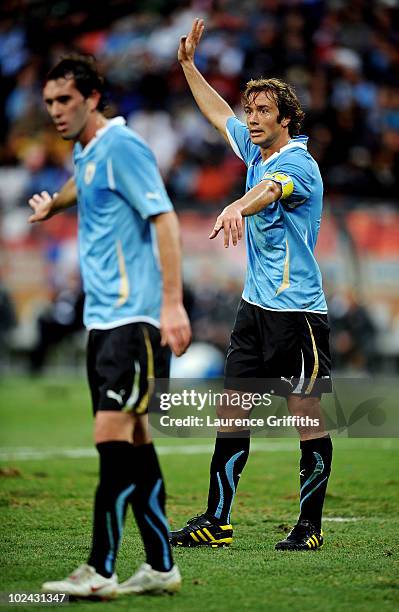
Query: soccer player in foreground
(134, 311)
(281, 330)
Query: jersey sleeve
(294, 174)
(240, 141)
(133, 172)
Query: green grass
(46, 507)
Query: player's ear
(93, 100)
(285, 121)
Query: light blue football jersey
(119, 189)
(282, 272)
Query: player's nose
(55, 111)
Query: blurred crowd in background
(342, 58)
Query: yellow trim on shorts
(316, 361)
(142, 407)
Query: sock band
(315, 468)
(228, 461)
(148, 503)
(112, 495)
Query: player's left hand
(42, 206)
(231, 222)
(189, 43)
(175, 328)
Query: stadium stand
(343, 59)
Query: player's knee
(113, 426)
(310, 422)
(141, 434)
(231, 417)
(225, 411)
(304, 406)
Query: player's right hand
(189, 43)
(175, 328)
(230, 220)
(41, 205)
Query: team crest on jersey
(89, 172)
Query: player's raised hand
(189, 43)
(175, 328)
(230, 220)
(41, 205)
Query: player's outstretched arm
(44, 205)
(255, 200)
(215, 109)
(175, 326)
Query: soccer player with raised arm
(281, 329)
(130, 262)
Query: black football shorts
(282, 352)
(122, 364)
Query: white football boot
(147, 580)
(84, 582)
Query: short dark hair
(84, 71)
(285, 97)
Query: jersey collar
(299, 142)
(100, 133)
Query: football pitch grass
(48, 475)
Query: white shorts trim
(120, 322)
(299, 387)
